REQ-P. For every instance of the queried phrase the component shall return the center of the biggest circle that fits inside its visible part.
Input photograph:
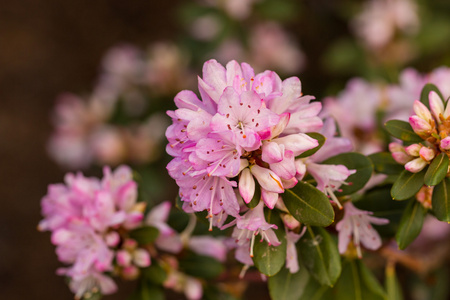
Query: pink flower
(357, 223)
(168, 239)
(291, 251)
(83, 215)
(250, 225)
(245, 125)
(328, 177)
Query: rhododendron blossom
(86, 217)
(357, 223)
(247, 126)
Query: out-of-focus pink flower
(291, 251)
(167, 69)
(378, 22)
(272, 48)
(168, 240)
(357, 223)
(356, 117)
(208, 246)
(83, 215)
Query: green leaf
(298, 286)
(200, 266)
(426, 91)
(155, 273)
(437, 170)
(410, 224)
(146, 291)
(144, 235)
(309, 205)
(385, 164)
(320, 255)
(358, 283)
(441, 200)
(353, 161)
(407, 185)
(402, 130)
(270, 259)
(393, 288)
(317, 136)
(287, 286)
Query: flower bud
(141, 258)
(416, 165)
(420, 126)
(123, 258)
(399, 154)
(426, 154)
(422, 111)
(445, 143)
(436, 105)
(246, 185)
(413, 149)
(112, 239)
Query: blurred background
(51, 48)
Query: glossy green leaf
(144, 235)
(426, 91)
(385, 164)
(441, 200)
(392, 285)
(402, 130)
(270, 259)
(200, 266)
(309, 205)
(353, 161)
(407, 185)
(410, 224)
(358, 283)
(437, 170)
(320, 255)
(317, 136)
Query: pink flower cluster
(89, 219)
(244, 137)
(246, 125)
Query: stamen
(252, 244)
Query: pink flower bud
(436, 105)
(141, 258)
(267, 179)
(413, 149)
(420, 126)
(123, 258)
(130, 272)
(399, 154)
(246, 185)
(426, 154)
(445, 143)
(129, 244)
(422, 111)
(416, 165)
(112, 239)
